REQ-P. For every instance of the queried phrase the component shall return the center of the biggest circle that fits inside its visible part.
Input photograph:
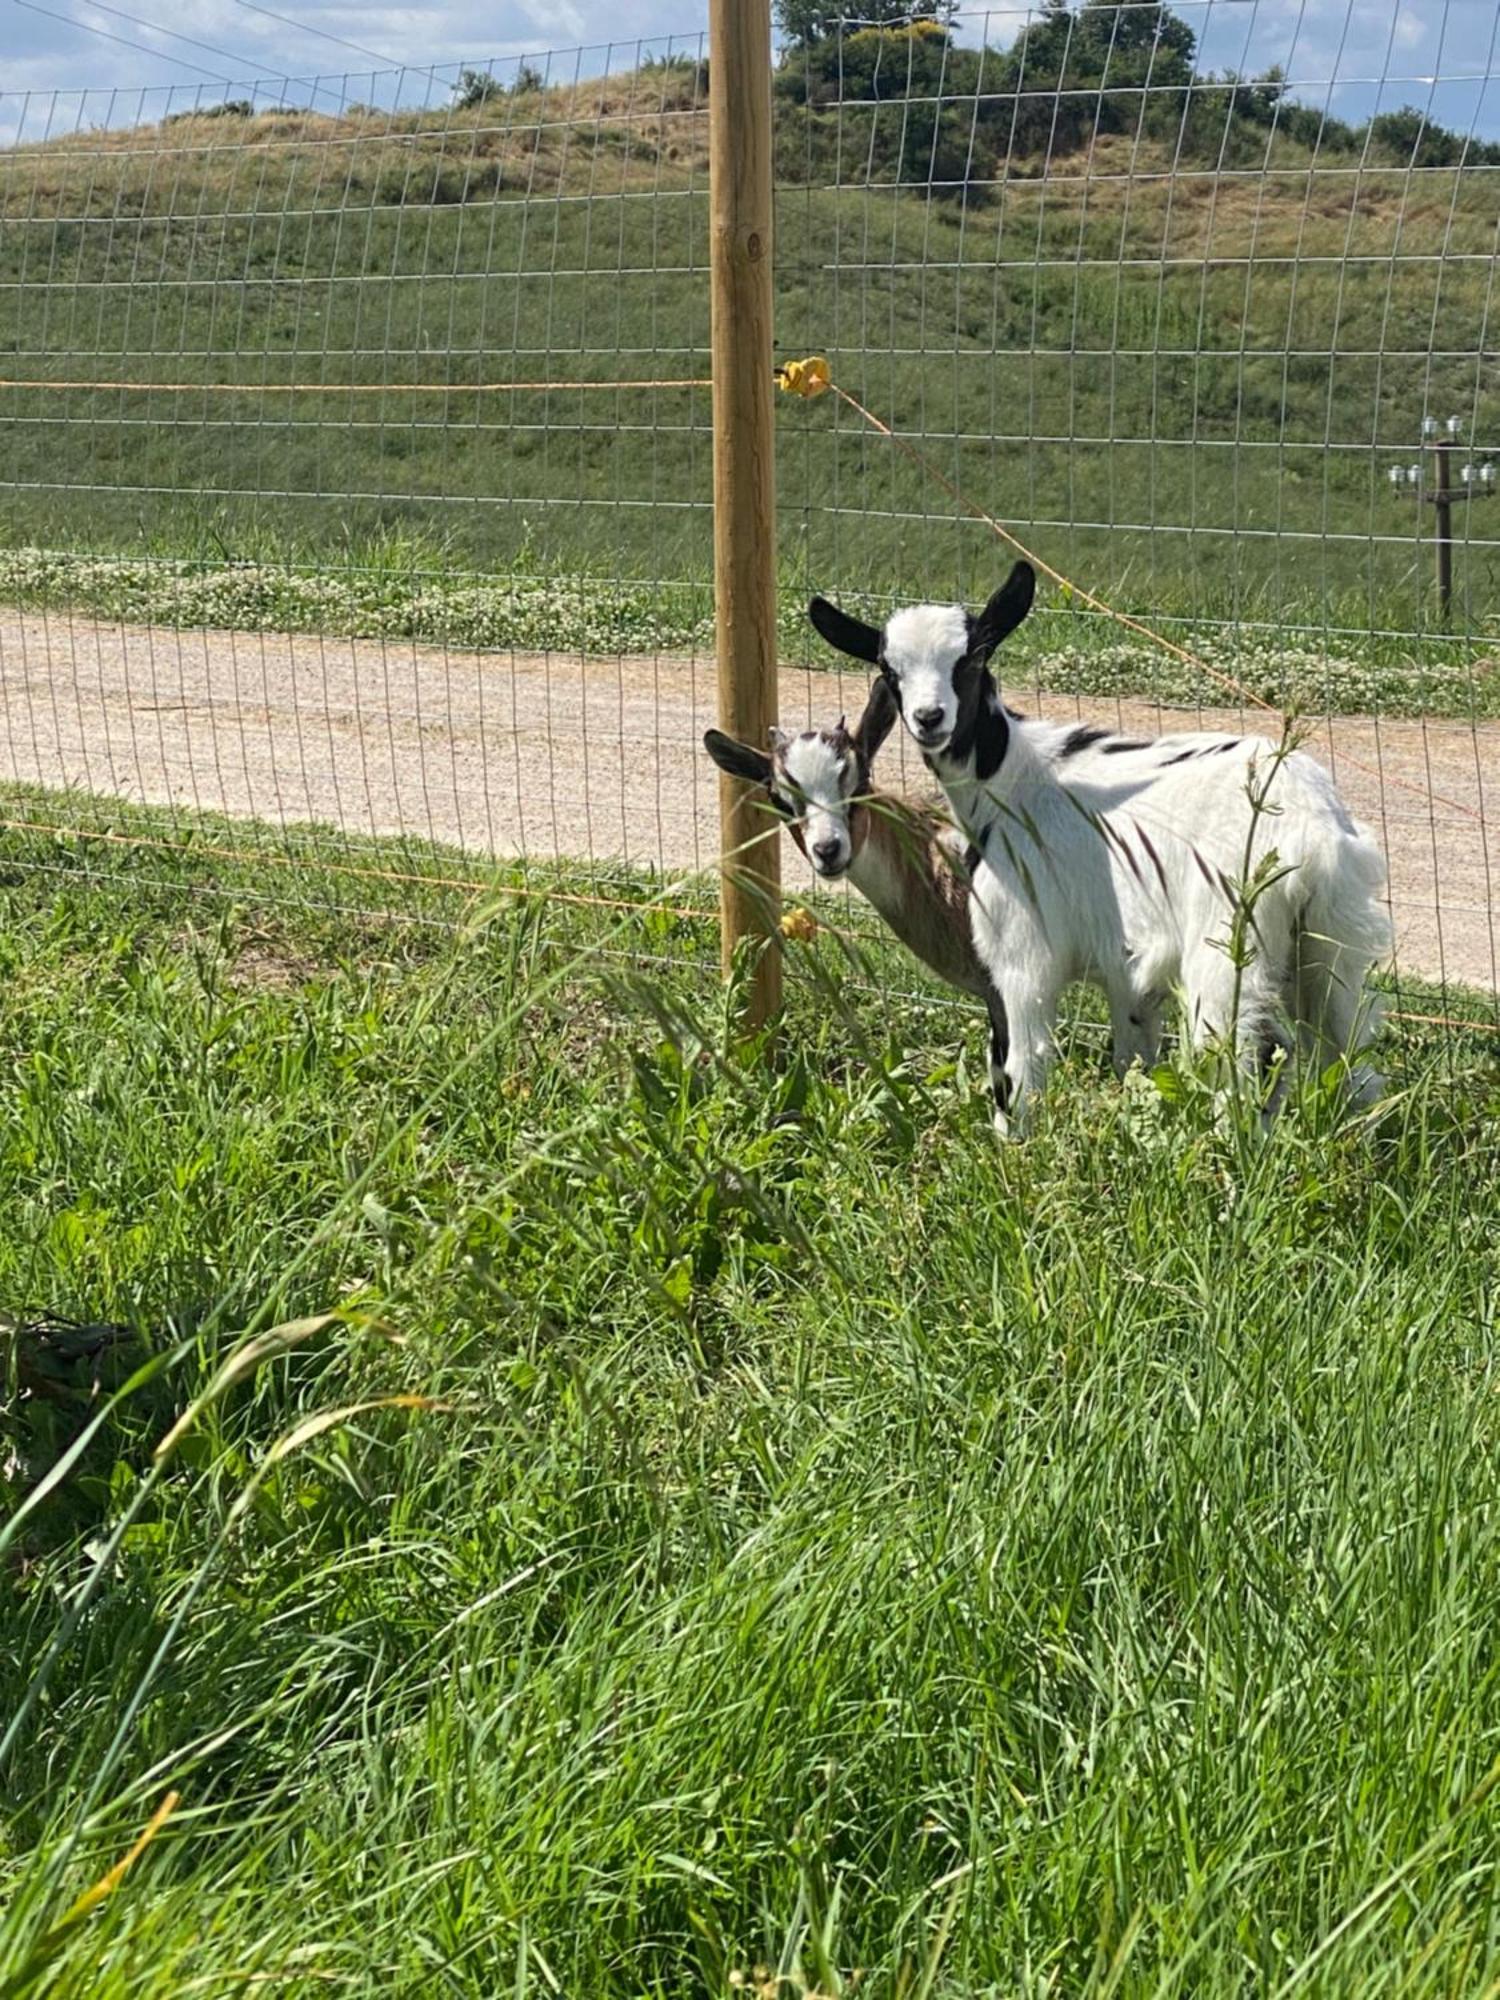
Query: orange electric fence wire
(1444, 1021)
(812, 378)
(349, 388)
(798, 924)
(808, 379)
(364, 871)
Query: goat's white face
(814, 778)
(923, 650)
(933, 658)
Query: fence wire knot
(807, 378)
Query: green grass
(827, 1542)
(1169, 382)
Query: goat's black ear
(843, 633)
(738, 759)
(1005, 610)
(877, 721)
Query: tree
(476, 87)
(1139, 38)
(804, 22)
(895, 101)
(1409, 137)
(1107, 68)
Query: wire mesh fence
(357, 448)
(288, 552)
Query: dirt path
(552, 755)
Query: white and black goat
(1224, 866)
(905, 858)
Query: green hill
(1184, 380)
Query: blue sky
(1354, 55)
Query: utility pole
(1442, 501)
(1476, 481)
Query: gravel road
(554, 755)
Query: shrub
(232, 107)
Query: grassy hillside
(1170, 377)
(811, 1539)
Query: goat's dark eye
(783, 806)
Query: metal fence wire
(357, 442)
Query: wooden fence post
(739, 99)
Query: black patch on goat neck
(1124, 743)
(1218, 749)
(1180, 757)
(1084, 737)
(985, 739)
(992, 740)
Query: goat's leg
(999, 1054)
(1029, 1018)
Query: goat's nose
(827, 850)
(927, 718)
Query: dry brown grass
(648, 130)
(1330, 207)
(621, 133)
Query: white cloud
(556, 18)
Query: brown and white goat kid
(1227, 867)
(906, 859)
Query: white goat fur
(1125, 863)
